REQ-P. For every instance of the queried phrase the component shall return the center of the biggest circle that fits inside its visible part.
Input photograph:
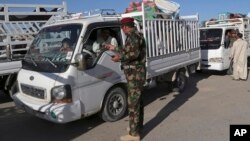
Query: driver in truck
(103, 38)
(66, 45)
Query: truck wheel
(180, 82)
(115, 105)
(198, 71)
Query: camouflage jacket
(134, 51)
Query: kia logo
(31, 78)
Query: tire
(2, 85)
(2, 82)
(114, 105)
(199, 71)
(13, 89)
(181, 82)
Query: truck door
(101, 72)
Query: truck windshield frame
(210, 38)
(53, 48)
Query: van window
(228, 41)
(210, 38)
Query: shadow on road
(4, 98)
(16, 125)
(173, 105)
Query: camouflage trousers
(135, 79)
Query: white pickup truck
(17, 31)
(63, 87)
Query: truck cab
(64, 86)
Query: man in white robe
(103, 38)
(239, 56)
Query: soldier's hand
(116, 58)
(109, 47)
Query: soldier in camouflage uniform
(133, 57)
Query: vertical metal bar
(149, 39)
(156, 35)
(181, 35)
(197, 34)
(186, 34)
(160, 47)
(152, 37)
(143, 22)
(178, 43)
(6, 13)
(168, 39)
(171, 37)
(191, 35)
(193, 32)
(164, 37)
(174, 27)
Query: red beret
(127, 20)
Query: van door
(228, 43)
(101, 72)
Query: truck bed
(171, 45)
(9, 67)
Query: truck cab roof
(84, 20)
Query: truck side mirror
(80, 61)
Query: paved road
(203, 112)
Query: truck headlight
(61, 94)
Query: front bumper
(54, 112)
(212, 66)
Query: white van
(215, 48)
(63, 87)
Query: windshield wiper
(32, 60)
(53, 64)
(48, 60)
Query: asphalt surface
(203, 112)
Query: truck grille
(33, 91)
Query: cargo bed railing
(17, 12)
(19, 26)
(167, 36)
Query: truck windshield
(54, 47)
(210, 38)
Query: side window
(98, 37)
(228, 42)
